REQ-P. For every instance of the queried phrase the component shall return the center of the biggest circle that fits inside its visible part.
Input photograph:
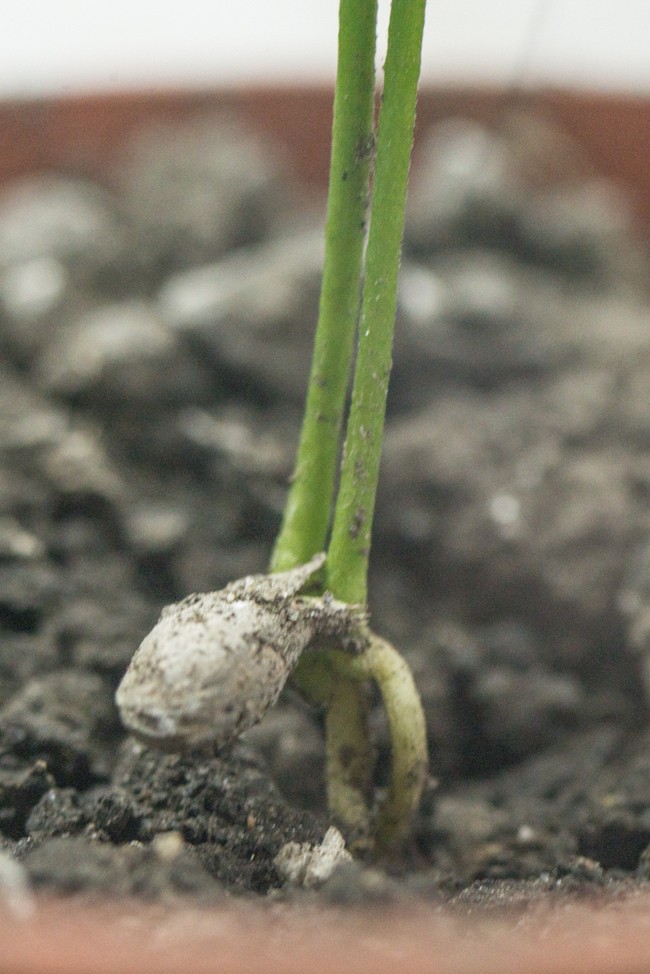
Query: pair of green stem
(307, 516)
(332, 677)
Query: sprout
(214, 663)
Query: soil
(155, 337)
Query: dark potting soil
(155, 338)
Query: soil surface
(155, 338)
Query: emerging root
(339, 677)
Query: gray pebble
(15, 890)
(304, 864)
(196, 191)
(154, 528)
(33, 295)
(252, 310)
(15, 542)
(463, 187)
(63, 219)
(122, 351)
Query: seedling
(214, 663)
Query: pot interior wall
(82, 134)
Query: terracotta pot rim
(129, 937)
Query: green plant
(335, 677)
(214, 663)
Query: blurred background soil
(155, 340)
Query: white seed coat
(215, 662)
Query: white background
(67, 46)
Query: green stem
(349, 761)
(332, 677)
(348, 757)
(309, 505)
(347, 561)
